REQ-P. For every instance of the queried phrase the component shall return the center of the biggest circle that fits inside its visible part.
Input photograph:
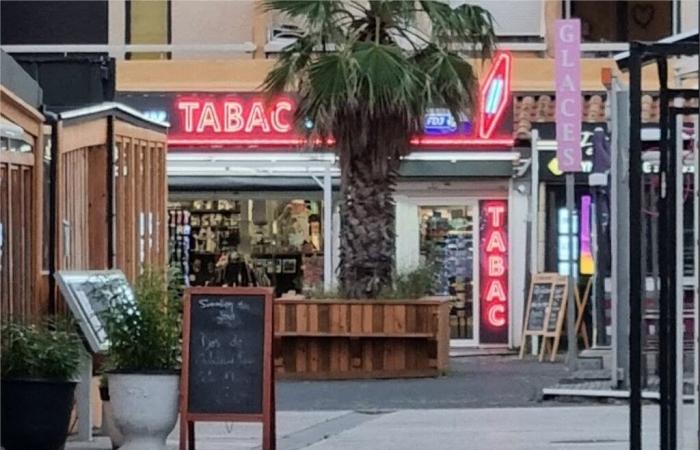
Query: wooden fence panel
(140, 202)
(17, 267)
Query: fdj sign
(493, 272)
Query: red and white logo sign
(493, 276)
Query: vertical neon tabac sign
(493, 272)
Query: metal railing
(120, 51)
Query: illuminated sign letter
(256, 118)
(188, 108)
(496, 242)
(496, 266)
(208, 118)
(277, 117)
(233, 117)
(496, 292)
(496, 212)
(497, 315)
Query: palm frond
(467, 24)
(453, 83)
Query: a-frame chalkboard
(227, 366)
(543, 315)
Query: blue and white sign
(440, 121)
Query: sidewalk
(533, 428)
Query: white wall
(407, 234)
(517, 260)
(689, 15)
(514, 17)
(212, 22)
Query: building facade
(248, 199)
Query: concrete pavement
(532, 428)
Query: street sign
(567, 62)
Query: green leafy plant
(50, 350)
(413, 284)
(145, 335)
(416, 283)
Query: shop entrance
(448, 233)
(239, 240)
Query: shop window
(447, 241)
(623, 21)
(246, 242)
(563, 247)
(148, 22)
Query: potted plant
(39, 365)
(109, 428)
(143, 361)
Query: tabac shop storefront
(251, 203)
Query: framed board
(227, 366)
(88, 293)
(544, 305)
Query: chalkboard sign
(227, 359)
(539, 302)
(555, 308)
(88, 293)
(547, 291)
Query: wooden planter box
(335, 339)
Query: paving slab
(565, 428)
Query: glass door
(448, 234)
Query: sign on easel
(227, 366)
(555, 318)
(543, 307)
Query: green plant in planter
(47, 351)
(39, 365)
(145, 336)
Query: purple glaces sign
(567, 63)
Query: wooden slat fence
(21, 214)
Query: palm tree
(365, 72)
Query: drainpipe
(52, 119)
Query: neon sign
(233, 120)
(493, 273)
(495, 95)
(247, 119)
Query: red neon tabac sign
(247, 119)
(493, 272)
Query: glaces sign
(568, 107)
(493, 273)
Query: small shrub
(411, 285)
(47, 351)
(145, 336)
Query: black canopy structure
(642, 54)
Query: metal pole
(534, 217)
(635, 243)
(696, 278)
(84, 400)
(666, 242)
(327, 232)
(572, 339)
(619, 235)
(678, 326)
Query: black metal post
(635, 245)
(665, 261)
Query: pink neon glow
(500, 70)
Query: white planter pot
(109, 428)
(145, 408)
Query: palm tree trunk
(367, 238)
